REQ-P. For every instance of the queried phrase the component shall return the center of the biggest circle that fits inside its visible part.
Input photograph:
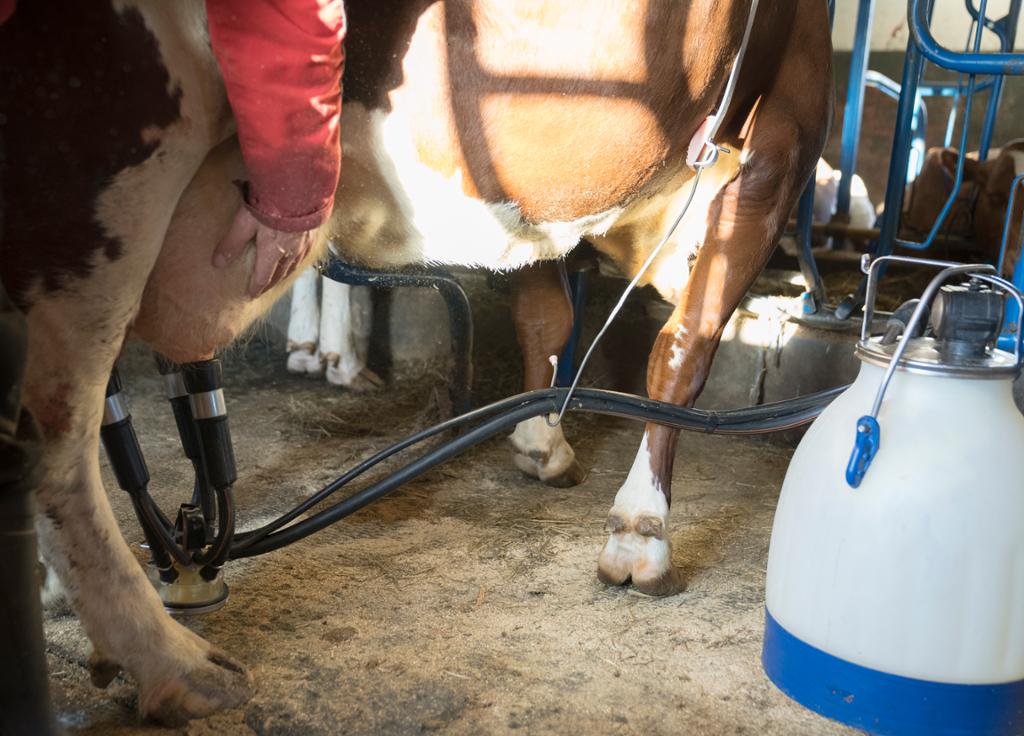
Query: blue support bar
(957, 179)
(918, 124)
(965, 62)
(952, 89)
(912, 65)
(814, 294)
(1006, 30)
(1004, 243)
(854, 109)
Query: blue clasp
(864, 448)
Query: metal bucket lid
(922, 356)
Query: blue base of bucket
(883, 703)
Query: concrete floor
(467, 602)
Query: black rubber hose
(753, 420)
(157, 551)
(401, 476)
(217, 553)
(151, 518)
(796, 411)
(243, 539)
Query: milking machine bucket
(895, 588)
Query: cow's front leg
(542, 311)
(744, 223)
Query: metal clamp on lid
(965, 324)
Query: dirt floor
(468, 601)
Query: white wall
(889, 31)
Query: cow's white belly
(392, 209)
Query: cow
(329, 331)
(484, 133)
(979, 209)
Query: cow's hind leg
(344, 336)
(744, 223)
(304, 324)
(179, 674)
(542, 311)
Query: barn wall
(890, 33)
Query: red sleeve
(6, 10)
(282, 62)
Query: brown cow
(476, 132)
(979, 210)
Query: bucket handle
(868, 437)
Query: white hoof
(542, 452)
(305, 361)
(638, 550)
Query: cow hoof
(305, 361)
(102, 671)
(669, 582)
(363, 382)
(638, 551)
(571, 476)
(218, 683)
(541, 452)
(558, 475)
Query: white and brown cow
(493, 133)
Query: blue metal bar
(1012, 316)
(958, 87)
(1006, 30)
(814, 295)
(988, 127)
(918, 124)
(965, 129)
(854, 110)
(912, 65)
(968, 63)
(1006, 225)
(957, 180)
(952, 89)
(992, 25)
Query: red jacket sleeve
(282, 62)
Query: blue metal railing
(922, 45)
(1002, 62)
(909, 130)
(1012, 309)
(854, 110)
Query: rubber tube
(752, 420)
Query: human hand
(277, 252)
